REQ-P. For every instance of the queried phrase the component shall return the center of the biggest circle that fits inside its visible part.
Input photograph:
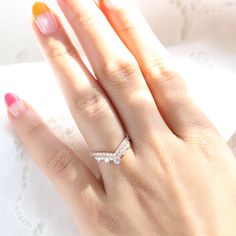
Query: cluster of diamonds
(113, 157)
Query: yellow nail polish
(39, 8)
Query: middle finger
(116, 69)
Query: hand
(179, 176)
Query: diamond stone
(113, 157)
(117, 160)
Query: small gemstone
(117, 160)
(107, 160)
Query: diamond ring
(114, 157)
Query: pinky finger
(57, 160)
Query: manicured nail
(44, 18)
(113, 4)
(15, 105)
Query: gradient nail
(44, 18)
(15, 105)
(113, 4)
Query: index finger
(54, 157)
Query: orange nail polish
(39, 8)
(44, 19)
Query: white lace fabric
(201, 37)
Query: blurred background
(16, 40)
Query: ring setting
(114, 157)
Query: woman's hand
(179, 176)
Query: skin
(179, 177)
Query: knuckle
(84, 20)
(81, 18)
(142, 100)
(59, 52)
(33, 131)
(169, 76)
(59, 165)
(127, 29)
(152, 69)
(164, 76)
(119, 72)
(91, 104)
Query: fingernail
(15, 105)
(113, 4)
(44, 18)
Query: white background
(16, 40)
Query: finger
(115, 68)
(89, 105)
(61, 53)
(167, 87)
(70, 176)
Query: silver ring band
(114, 157)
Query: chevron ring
(114, 157)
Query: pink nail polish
(44, 18)
(15, 105)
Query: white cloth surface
(202, 35)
